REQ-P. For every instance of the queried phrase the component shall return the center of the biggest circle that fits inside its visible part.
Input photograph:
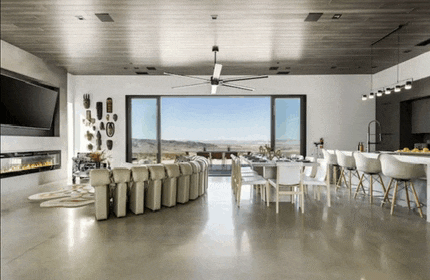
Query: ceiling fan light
(408, 85)
(379, 93)
(397, 88)
(387, 91)
(371, 95)
(364, 97)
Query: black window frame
(128, 100)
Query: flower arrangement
(99, 156)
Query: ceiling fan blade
(186, 76)
(217, 71)
(238, 87)
(245, 78)
(192, 85)
(213, 89)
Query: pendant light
(397, 88)
(408, 85)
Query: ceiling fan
(215, 80)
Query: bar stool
(370, 167)
(401, 172)
(346, 163)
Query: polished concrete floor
(211, 238)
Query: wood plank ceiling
(254, 37)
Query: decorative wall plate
(107, 117)
(86, 101)
(89, 136)
(99, 107)
(109, 105)
(102, 126)
(99, 141)
(88, 112)
(110, 129)
(115, 117)
(109, 144)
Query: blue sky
(208, 118)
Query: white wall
(19, 61)
(334, 107)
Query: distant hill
(148, 145)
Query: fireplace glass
(20, 163)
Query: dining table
(267, 168)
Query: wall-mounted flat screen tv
(24, 104)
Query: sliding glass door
(143, 129)
(288, 126)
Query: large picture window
(159, 129)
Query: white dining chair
(250, 179)
(318, 181)
(288, 177)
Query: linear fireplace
(20, 163)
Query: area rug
(68, 202)
(70, 196)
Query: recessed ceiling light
(283, 73)
(80, 17)
(336, 16)
(214, 17)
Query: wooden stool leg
(339, 182)
(371, 188)
(386, 193)
(382, 183)
(416, 200)
(360, 183)
(394, 197)
(407, 195)
(335, 173)
(350, 182)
